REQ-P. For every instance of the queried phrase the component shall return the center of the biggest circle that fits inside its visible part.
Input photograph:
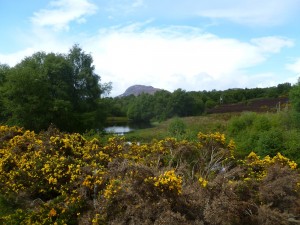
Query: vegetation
(59, 178)
(51, 88)
(263, 133)
(183, 171)
(163, 104)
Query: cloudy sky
(169, 44)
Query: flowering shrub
(112, 188)
(60, 178)
(167, 182)
(257, 168)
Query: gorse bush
(59, 178)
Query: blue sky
(169, 44)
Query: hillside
(139, 89)
(255, 105)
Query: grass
(194, 124)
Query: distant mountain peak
(139, 89)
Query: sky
(194, 45)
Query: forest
(58, 167)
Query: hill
(139, 89)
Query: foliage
(60, 178)
(58, 89)
(266, 134)
(140, 110)
(163, 104)
(295, 96)
(177, 127)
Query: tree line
(49, 88)
(164, 104)
(64, 90)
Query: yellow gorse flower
(203, 182)
(168, 181)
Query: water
(123, 128)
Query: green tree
(198, 106)
(59, 79)
(87, 90)
(26, 96)
(4, 69)
(283, 89)
(55, 88)
(162, 108)
(140, 110)
(182, 103)
(295, 96)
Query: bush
(261, 123)
(177, 127)
(239, 124)
(270, 142)
(59, 178)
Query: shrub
(239, 124)
(177, 127)
(59, 178)
(270, 142)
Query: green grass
(194, 124)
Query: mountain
(139, 89)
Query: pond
(123, 128)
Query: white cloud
(62, 12)
(294, 67)
(177, 57)
(14, 58)
(167, 57)
(250, 12)
(272, 44)
(39, 39)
